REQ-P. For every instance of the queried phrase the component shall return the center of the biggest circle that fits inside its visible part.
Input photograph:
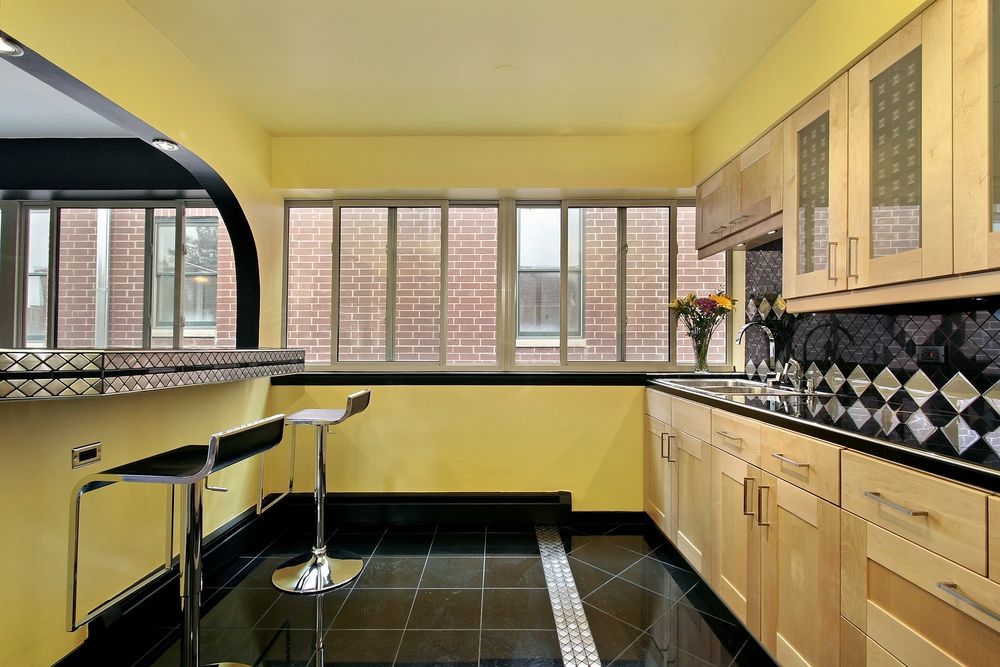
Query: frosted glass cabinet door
(900, 165)
(977, 162)
(815, 212)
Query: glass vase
(700, 344)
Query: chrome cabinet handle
(667, 455)
(877, 497)
(748, 483)
(720, 229)
(831, 260)
(220, 489)
(738, 219)
(789, 461)
(670, 438)
(729, 436)
(952, 590)
(760, 506)
(850, 264)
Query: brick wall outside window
(310, 272)
(418, 284)
(698, 276)
(647, 284)
(363, 276)
(472, 286)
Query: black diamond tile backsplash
(869, 358)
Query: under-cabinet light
(165, 145)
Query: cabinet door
(735, 574)
(815, 213)
(924, 609)
(694, 500)
(716, 199)
(660, 488)
(800, 588)
(977, 162)
(900, 163)
(759, 187)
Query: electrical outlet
(930, 354)
(86, 454)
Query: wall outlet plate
(86, 454)
(931, 355)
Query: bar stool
(318, 572)
(190, 467)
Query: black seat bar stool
(188, 466)
(318, 572)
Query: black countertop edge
(955, 470)
(475, 378)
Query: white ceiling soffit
(474, 67)
(33, 109)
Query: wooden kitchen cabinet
(977, 161)
(694, 501)
(716, 205)
(659, 484)
(899, 217)
(815, 195)
(736, 535)
(800, 574)
(923, 609)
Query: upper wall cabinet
(815, 194)
(746, 192)
(977, 160)
(899, 194)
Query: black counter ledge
(815, 421)
(478, 378)
(44, 374)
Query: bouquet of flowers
(701, 316)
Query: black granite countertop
(932, 437)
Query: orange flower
(723, 300)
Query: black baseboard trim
(443, 508)
(609, 517)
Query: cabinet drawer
(920, 607)
(947, 518)
(692, 418)
(737, 435)
(805, 462)
(658, 405)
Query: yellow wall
(604, 163)
(585, 440)
(123, 525)
(828, 37)
(110, 47)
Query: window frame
(195, 329)
(507, 270)
(14, 260)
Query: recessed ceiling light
(773, 231)
(9, 47)
(165, 145)
(740, 245)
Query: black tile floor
(465, 595)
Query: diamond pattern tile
(960, 435)
(835, 379)
(886, 384)
(887, 418)
(992, 396)
(920, 388)
(920, 426)
(859, 380)
(959, 392)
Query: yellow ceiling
(474, 67)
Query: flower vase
(701, 345)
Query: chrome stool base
(317, 574)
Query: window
(421, 284)
(97, 276)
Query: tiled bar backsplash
(870, 357)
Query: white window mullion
(564, 284)
(443, 300)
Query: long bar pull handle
(831, 260)
(748, 483)
(220, 489)
(670, 438)
(952, 590)
(877, 497)
(791, 462)
(720, 229)
(850, 263)
(662, 440)
(729, 436)
(760, 506)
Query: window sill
(188, 332)
(549, 342)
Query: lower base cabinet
(922, 609)
(694, 501)
(800, 580)
(660, 487)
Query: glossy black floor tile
(257, 573)
(606, 556)
(352, 648)
(519, 648)
(587, 577)
(360, 544)
(511, 544)
(459, 544)
(432, 648)
(627, 602)
(701, 598)
(657, 576)
(375, 609)
(291, 544)
(391, 573)
(446, 609)
(217, 645)
(611, 636)
(515, 572)
(510, 527)
(240, 608)
(685, 631)
(301, 612)
(752, 655)
(453, 572)
(517, 609)
(405, 544)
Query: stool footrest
(317, 573)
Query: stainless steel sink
(737, 387)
